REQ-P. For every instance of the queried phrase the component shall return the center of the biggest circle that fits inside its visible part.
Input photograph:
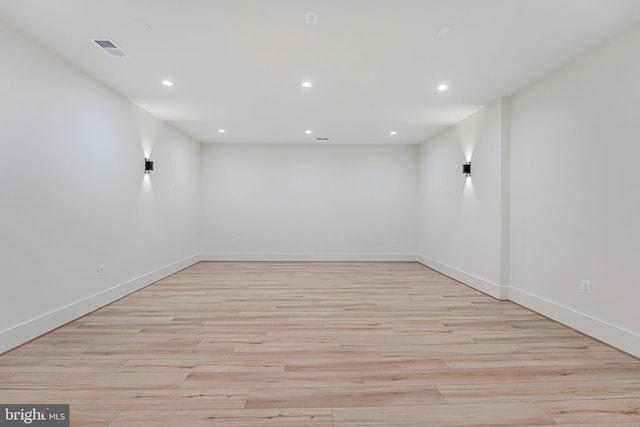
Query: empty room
(330, 213)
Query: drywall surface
(575, 199)
(81, 224)
(317, 202)
(459, 216)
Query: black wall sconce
(466, 169)
(148, 166)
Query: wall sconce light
(148, 166)
(466, 169)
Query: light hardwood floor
(321, 344)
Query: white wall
(318, 202)
(460, 217)
(74, 194)
(575, 196)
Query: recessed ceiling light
(306, 84)
(307, 131)
(167, 82)
(442, 87)
(221, 131)
(393, 132)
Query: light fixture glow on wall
(148, 166)
(466, 169)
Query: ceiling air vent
(110, 48)
(322, 139)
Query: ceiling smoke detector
(311, 18)
(110, 48)
(443, 31)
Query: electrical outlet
(396, 243)
(100, 269)
(586, 287)
(234, 242)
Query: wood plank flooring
(321, 344)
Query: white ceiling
(374, 64)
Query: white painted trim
(478, 283)
(275, 256)
(505, 192)
(613, 335)
(30, 329)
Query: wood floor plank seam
(322, 344)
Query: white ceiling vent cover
(110, 48)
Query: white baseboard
(33, 328)
(615, 336)
(274, 256)
(612, 335)
(482, 285)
